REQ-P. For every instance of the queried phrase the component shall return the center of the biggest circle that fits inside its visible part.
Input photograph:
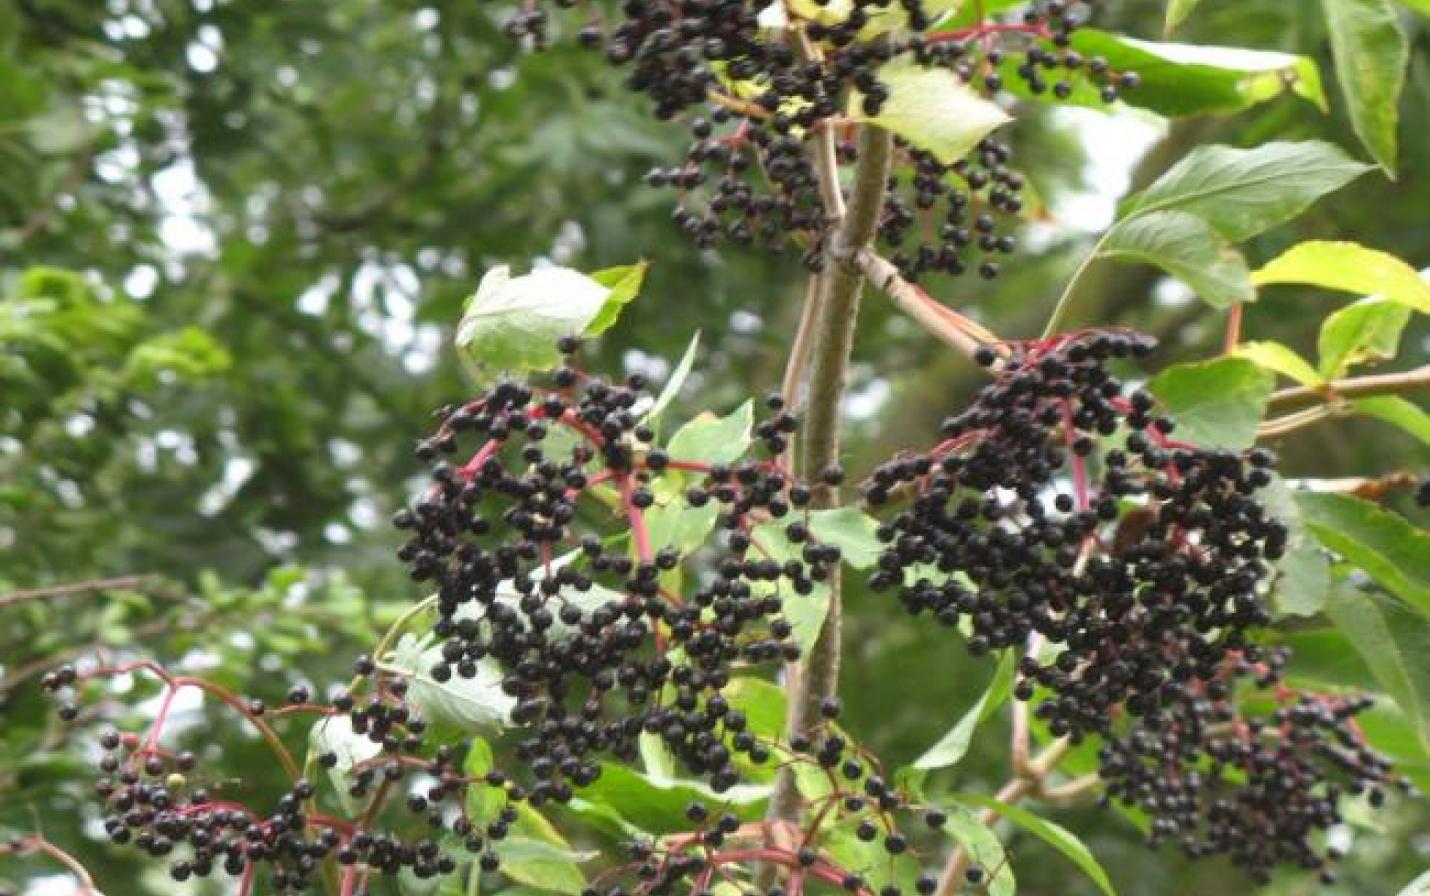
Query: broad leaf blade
(954, 744)
(1383, 544)
(714, 440)
(624, 283)
(1051, 833)
(1378, 631)
(513, 323)
(1186, 247)
(1348, 267)
(1371, 53)
(933, 109)
(1368, 330)
(1242, 192)
(1216, 403)
(1282, 359)
(1396, 411)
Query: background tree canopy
(235, 240)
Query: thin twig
(928, 312)
(36, 843)
(1354, 387)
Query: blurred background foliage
(235, 237)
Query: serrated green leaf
(1385, 545)
(470, 702)
(1371, 53)
(852, 531)
(1393, 648)
(714, 440)
(1177, 12)
(1242, 192)
(1216, 403)
(1281, 359)
(1051, 833)
(624, 283)
(1348, 267)
(954, 744)
(676, 380)
(1396, 411)
(512, 323)
(1368, 330)
(1186, 247)
(932, 108)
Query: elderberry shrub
(575, 604)
(756, 95)
(1060, 514)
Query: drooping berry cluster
(761, 87)
(1059, 516)
(593, 638)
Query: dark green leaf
(1186, 247)
(1392, 642)
(1383, 544)
(1242, 192)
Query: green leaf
(1242, 192)
(513, 323)
(677, 379)
(1280, 359)
(1368, 330)
(1371, 53)
(1303, 574)
(1396, 411)
(931, 108)
(1051, 833)
(805, 612)
(676, 524)
(484, 802)
(984, 847)
(1216, 403)
(852, 531)
(762, 702)
(1177, 12)
(714, 440)
(1185, 79)
(658, 807)
(1348, 267)
(470, 702)
(536, 855)
(624, 283)
(953, 745)
(335, 734)
(1186, 247)
(1381, 634)
(1383, 544)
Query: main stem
(832, 344)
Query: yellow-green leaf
(1371, 53)
(1348, 267)
(933, 109)
(1282, 359)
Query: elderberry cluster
(547, 569)
(757, 92)
(1257, 790)
(1061, 516)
